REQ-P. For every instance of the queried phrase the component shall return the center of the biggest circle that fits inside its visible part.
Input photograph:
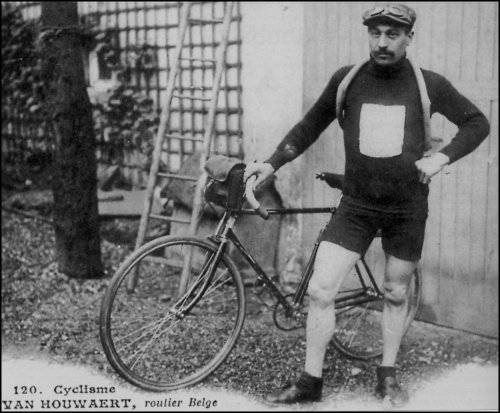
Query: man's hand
(430, 166)
(262, 170)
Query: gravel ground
(46, 312)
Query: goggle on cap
(390, 12)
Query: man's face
(388, 43)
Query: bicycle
(171, 330)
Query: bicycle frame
(225, 234)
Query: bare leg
(398, 275)
(332, 264)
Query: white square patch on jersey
(381, 130)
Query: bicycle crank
(288, 319)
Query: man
(386, 183)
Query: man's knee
(321, 295)
(395, 293)
(398, 275)
(332, 264)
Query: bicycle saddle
(332, 179)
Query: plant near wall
(25, 147)
(22, 86)
(128, 119)
(24, 91)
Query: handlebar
(249, 193)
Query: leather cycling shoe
(389, 389)
(298, 392)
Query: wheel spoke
(214, 285)
(362, 315)
(151, 327)
(141, 319)
(217, 284)
(147, 326)
(157, 333)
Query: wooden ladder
(220, 64)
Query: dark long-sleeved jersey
(384, 131)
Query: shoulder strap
(424, 97)
(426, 103)
(342, 90)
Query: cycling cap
(390, 12)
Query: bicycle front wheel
(358, 328)
(161, 334)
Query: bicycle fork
(209, 267)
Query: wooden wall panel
(460, 41)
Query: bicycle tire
(197, 342)
(363, 341)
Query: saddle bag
(225, 185)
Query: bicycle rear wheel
(358, 331)
(160, 338)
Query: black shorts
(355, 224)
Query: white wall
(272, 34)
(272, 100)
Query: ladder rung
(204, 111)
(200, 67)
(211, 66)
(205, 21)
(194, 59)
(201, 88)
(176, 176)
(182, 96)
(236, 132)
(170, 219)
(184, 138)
